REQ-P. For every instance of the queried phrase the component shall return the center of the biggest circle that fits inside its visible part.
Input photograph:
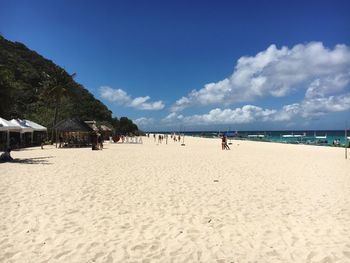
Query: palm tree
(56, 86)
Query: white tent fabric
(8, 126)
(35, 126)
(24, 127)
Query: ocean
(319, 137)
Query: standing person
(61, 141)
(42, 143)
(224, 143)
(94, 141)
(100, 142)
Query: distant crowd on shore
(159, 138)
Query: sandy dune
(259, 202)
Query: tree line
(35, 88)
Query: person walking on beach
(224, 145)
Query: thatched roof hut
(106, 132)
(73, 133)
(72, 125)
(105, 128)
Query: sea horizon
(310, 137)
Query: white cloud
(288, 112)
(314, 107)
(142, 104)
(120, 97)
(246, 114)
(278, 72)
(321, 106)
(172, 119)
(306, 110)
(331, 84)
(144, 122)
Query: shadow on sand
(34, 160)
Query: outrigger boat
(294, 135)
(256, 136)
(320, 137)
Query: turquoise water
(293, 137)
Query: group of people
(336, 142)
(160, 138)
(176, 138)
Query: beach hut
(92, 125)
(73, 133)
(26, 136)
(9, 134)
(106, 132)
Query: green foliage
(6, 87)
(34, 88)
(124, 126)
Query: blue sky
(199, 64)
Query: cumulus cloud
(278, 72)
(246, 114)
(307, 109)
(144, 122)
(172, 117)
(120, 97)
(328, 85)
(314, 107)
(321, 106)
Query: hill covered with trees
(34, 88)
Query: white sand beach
(258, 202)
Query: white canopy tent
(37, 135)
(28, 126)
(8, 127)
(24, 126)
(34, 125)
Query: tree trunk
(55, 120)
